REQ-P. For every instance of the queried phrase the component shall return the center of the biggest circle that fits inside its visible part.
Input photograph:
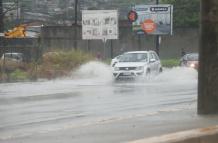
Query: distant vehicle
(137, 63)
(2, 35)
(12, 61)
(190, 60)
(18, 57)
(115, 60)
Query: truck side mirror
(152, 60)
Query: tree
(4, 11)
(186, 12)
(1, 17)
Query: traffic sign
(100, 24)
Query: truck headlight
(192, 65)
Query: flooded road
(91, 97)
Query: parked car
(11, 61)
(137, 63)
(190, 60)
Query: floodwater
(91, 96)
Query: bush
(61, 63)
(52, 65)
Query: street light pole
(76, 9)
(75, 23)
(157, 38)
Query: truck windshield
(134, 57)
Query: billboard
(99, 24)
(153, 19)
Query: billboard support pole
(104, 42)
(88, 46)
(111, 48)
(157, 39)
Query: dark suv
(189, 60)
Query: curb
(203, 135)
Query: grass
(18, 75)
(170, 63)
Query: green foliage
(18, 75)
(170, 63)
(186, 12)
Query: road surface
(91, 107)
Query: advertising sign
(99, 24)
(132, 16)
(153, 19)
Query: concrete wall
(57, 37)
(64, 38)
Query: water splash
(94, 70)
(177, 74)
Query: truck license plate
(127, 73)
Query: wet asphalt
(91, 107)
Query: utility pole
(1, 17)
(76, 11)
(208, 68)
(157, 39)
(75, 23)
(17, 11)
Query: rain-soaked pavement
(91, 107)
